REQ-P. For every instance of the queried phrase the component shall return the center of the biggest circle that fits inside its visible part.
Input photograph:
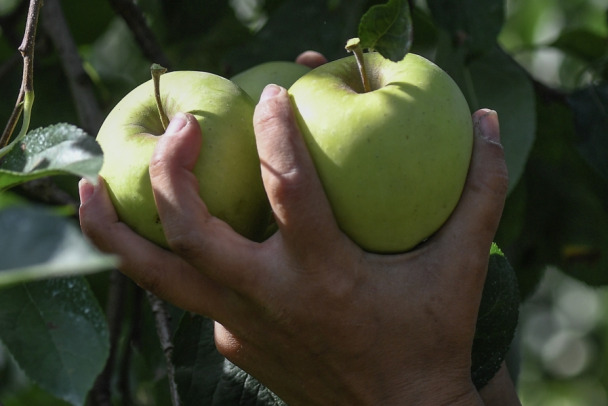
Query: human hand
(308, 313)
(312, 59)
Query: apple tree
(74, 331)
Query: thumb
(473, 224)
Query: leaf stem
(156, 70)
(26, 107)
(354, 45)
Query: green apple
(228, 168)
(282, 73)
(393, 160)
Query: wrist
(468, 398)
(444, 391)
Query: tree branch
(27, 85)
(164, 334)
(83, 94)
(144, 36)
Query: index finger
(299, 203)
(204, 241)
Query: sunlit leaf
(387, 29)
(53, 150)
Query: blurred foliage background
(563, 336)
(542, 64)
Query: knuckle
(288, 185)
(150, 282)
(185, 244)
(157, 166)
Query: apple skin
(393, 161)
(228, 168)
(282, 73)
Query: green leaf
(57, 333)
(590, 107)
(38, 245)
(205, 377)
(497, 319)
(387, 29)
(57, 149)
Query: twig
(164, 334)
(56, 27)
(27, 52)
(144, 36)
(132, 336)
(412, 5)
(101, 395)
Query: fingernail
(486, 124)
(178, 122)
(85, 190)
(270, 91)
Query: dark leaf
(495, 81)
(296, 26)
(198, 365)
(471, 25)
(563, 205)
(57, 333)
(582, 43)
(497, 319)
(590, 107)
(205, 377)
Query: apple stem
(156, 70)
(354, 45)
